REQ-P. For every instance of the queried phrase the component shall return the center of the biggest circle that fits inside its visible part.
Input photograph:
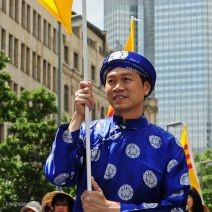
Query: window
(10, 53)
(39, 27)
(23, 17)
(49, 76)
(44, 72)
(45, 32)
(17, 11)
(102, 112)
(4, 6)
(11, 9)
(49, 36)
(76, 58)
(28, 19)
(93, 113)
(27, 60)
(15, 88)
(39, 68)
(23, 57)
(66, 98)
(34, 29)
(1, 132)
(66, 54)
(54, 40)
(16, 51)
(34, 65)
(3, 39)
(93, 73)
(54, 79)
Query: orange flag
(61, 10)
(129, 46)
(194, 181)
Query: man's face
(125, 91)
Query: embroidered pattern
(125, 192)
(150, 205)
(155, 141)
(177, 210)
(184, 179)
(150, 179)
(61, 178)
(172, 163)
(132, 150)
(95, 154)
(110, 171)
(67, 137)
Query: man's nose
(118, 85)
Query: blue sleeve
(175, 185)
(65, 160)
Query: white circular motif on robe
(125, 192)
(118, 55)
(132, 150)
(150, 179)
(184, 179)
(95, 154)
(110, 171)
(177, 210)
(177, 194)
(61, 178)
(155, 141)
(172, 163)
(150, 205)
(67, 137)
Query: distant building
(183, 60)
(28, 35)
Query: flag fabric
(61, 10)
(129, 46)
(194, 181)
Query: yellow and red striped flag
(129, 46)
(61, 10)
(194, 181)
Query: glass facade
(117, 15)
(183, 45)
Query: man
(135, 164)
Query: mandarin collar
(130, 123)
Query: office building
(29, 36)
(183, 60)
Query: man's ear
(147, 88)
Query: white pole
(87, 118)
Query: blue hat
(129, 60)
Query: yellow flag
(130, 44)
(194, 181)
(61, 10)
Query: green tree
(204, 171)
(23, 154)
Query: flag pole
(87, 118)
(59, 75)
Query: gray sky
(94, 10)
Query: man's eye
(110, 81)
